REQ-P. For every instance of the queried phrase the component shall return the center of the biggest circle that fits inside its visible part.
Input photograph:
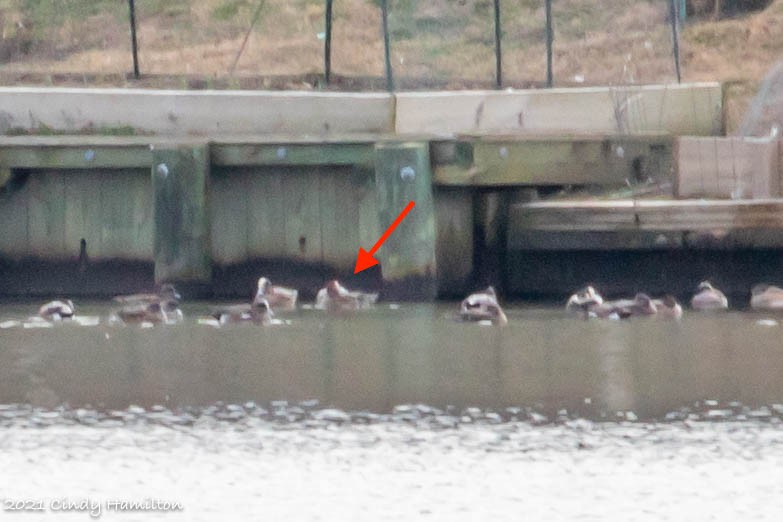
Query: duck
(583, 299)
(140, 312)
(335, 297)
(165, 311)
(668, 308)
(766, 297)
(57, 310)
(167, 292)
(257, 312)
(278, 297)
(483, 306)
(708, 297)
(640, 306)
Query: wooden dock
(212, 209)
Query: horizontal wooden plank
(642, 240)
(497, 160)
(683, 109)
(76, 157)
(79, 152)
(245, 154)
(717, 216)
(202, 113)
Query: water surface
(390, 356)
(397, 414)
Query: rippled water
(324, 418)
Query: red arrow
(365, 259)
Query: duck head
(262, 311)
(68, 309)
(490, 291)
(583, 300)
(262, 289)
(335, 290)
(643, 305)
(168, 292)
(668, 307)
(264, 285)
(482, 306)
(760, 288)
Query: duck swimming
(166, 293)
(140, 312)
(582, 300)
(276, 296)
(57, 310)
(335, 297)
(257, 312)
(709, 298)
(483, 306)
(640, 306)
(766, 297)
(668, 308)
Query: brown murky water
(324, 418)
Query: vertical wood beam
(180, 175)
(403, 174)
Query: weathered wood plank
(302, 215)
(83, 213)
(143, 217)
(75, 157)
(13, 222)
(228, 210)
(557, 160)
(341, 196)
(454, 247)
(329, 198)
(266, 214)
(728, 167)
(369, 226)
(86, 155)
(292, 154)
(182, 249)
(5, 175)
(645, 240)
(686, 109)
(652, 215)
(46, 215)
(203, 113)
(126, 215)
(564, 240)
(402, 174)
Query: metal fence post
(549, 39)
(498, 54)
(386, 45)
(675, 37)
(134, 45)
(328, 43)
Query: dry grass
(597, 42)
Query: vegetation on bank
(435, 44)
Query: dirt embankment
(441, 44)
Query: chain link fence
(283, 43)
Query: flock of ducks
(482, 307)
(163, 307)
(588, 303)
